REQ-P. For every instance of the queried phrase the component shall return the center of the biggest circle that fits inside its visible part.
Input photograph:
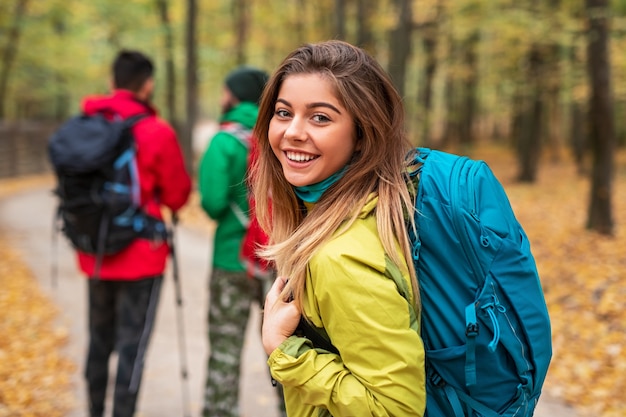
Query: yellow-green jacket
(351, 292)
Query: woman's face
(311, 133)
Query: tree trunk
(365, 37)
(170, 75)
(601, 123)
(529, 137)
(400, 44)
(430, 36)
(9, 52)
(554, 125)
(451, 88)
(426, 92)
(61, 99)
(531, 132)
(191, 84)
(340, 19)
(450, 131)
(620, 124)
(578, 136)
(470, 86)
(241, 19)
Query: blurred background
(537, 88)
(513, 72)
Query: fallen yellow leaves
(34, 376)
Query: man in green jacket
(223, 191)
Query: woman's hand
(280, 317)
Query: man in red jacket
(124, 296)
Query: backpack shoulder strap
(314, 334)
(244, 137)
(132, 120)
(450, 179)
(239, 132)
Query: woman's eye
(320, 118)
(281, 113)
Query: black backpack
(98, 185)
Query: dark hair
(131, 69)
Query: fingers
(280, 283)
(274, 292)
(280, 316)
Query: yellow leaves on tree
(34, 377)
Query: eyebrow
(312, 105)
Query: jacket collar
(120, 102)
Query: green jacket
(221, 182)
(353, 292)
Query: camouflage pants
(260, 289)
(230, 298)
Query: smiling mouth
(300, 157)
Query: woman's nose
(295, 130)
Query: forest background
(542, 77)
(541, 81)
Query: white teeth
(300, 157)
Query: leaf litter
(34, 374)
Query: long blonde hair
(368, 94)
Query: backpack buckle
(471, 324)
(436, 380)
(471, 330)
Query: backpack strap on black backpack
(307, 330)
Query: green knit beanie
(247, 83)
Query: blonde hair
(368, 94)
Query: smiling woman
(331, 152)
(312, 134)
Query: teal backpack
(485, 323)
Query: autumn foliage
(34, 373)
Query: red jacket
(255, 237)
(163, 178)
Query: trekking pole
(179, 313)
(54, 265)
